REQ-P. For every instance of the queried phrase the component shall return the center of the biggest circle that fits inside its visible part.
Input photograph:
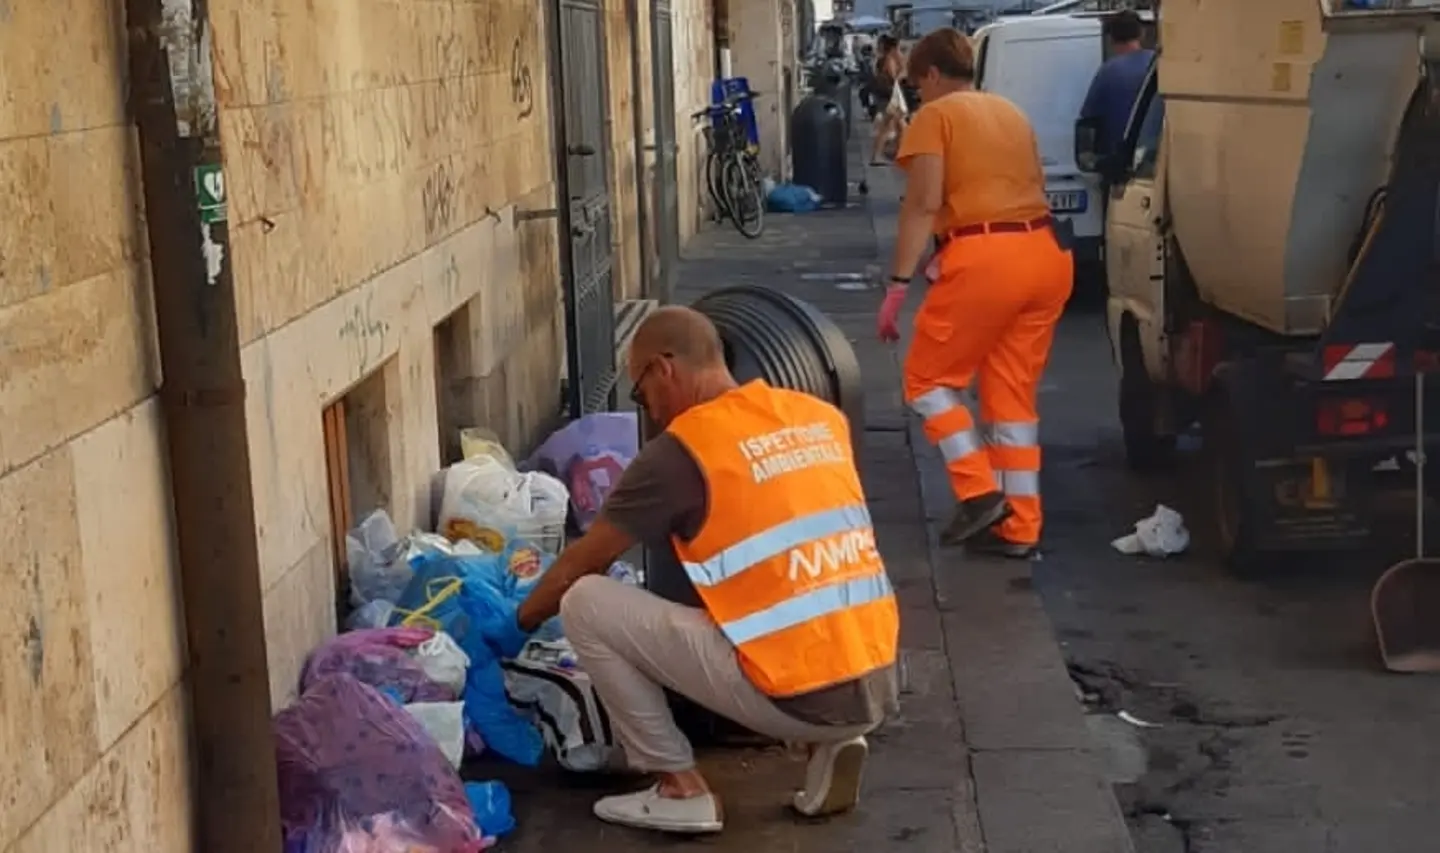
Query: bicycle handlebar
(730, 104)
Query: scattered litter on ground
(1136, 721)
(1161, 534)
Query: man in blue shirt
(1112, 93)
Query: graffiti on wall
(522, 92)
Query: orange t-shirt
(992, 160)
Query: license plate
(1073, 201)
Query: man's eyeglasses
(637, 388)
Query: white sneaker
(832, 778)
(648, 810)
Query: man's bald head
(683, 334)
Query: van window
(1147, 138)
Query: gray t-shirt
(663, 493)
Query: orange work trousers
(986, 326)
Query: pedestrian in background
(998, 283)
(890, 123)
(1107, 107)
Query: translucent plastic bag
(445, 723)
(358, 773)
(375, 556)
(489, 504)
(381, 658)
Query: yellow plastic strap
(420, 618)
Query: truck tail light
(1351, 416)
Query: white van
(1044, 64)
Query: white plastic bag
(1161, 534)
(375, 556)
(445, 722)
(488, 504)
(444, 662)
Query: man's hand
(591, 554)
(887, 323)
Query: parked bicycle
(732, 170)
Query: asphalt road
(1275, 730)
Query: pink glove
(890, 313)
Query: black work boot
(991, 543)
(975, 516)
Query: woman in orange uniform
(998, 283)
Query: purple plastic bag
(589, 456)
(380, 657)
(357, 772)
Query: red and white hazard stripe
(1359, 361)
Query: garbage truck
(1271, 259)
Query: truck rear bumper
(1311, 484)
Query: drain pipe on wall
(202, 393)
(642, 187)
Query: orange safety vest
(785, 561)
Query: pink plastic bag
(358, 773)
(382, 658)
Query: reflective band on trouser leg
(1014, 451)
(950, 427)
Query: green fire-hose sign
(210, 193)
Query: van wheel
(1231, 487)
(1146, 449)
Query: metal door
(584, 154)
(665, 189)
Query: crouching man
(757, 491)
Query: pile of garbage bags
(369, 755)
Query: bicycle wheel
(714, 180)
(745, 196)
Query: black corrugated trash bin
(817, 148)
(789, 343)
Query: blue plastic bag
(491, 804)
(473, 598)
(793, 198)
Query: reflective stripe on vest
(778, 541)
(785, 561)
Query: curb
(1038, 780)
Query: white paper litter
(1136, 721)
(1161, 534)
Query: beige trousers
(633, 644)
